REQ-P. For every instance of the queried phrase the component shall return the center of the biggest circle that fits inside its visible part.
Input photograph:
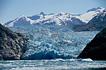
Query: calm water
(56, 64)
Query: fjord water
(53, 48)
(56, 64)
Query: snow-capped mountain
(100, 17)
(58, 19)
(90, 14)
(20, 21)
(95, 24)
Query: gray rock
(12, 44)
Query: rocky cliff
(12, 45)
(96, 49)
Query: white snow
(27, 19)
(66, 40)
(10, 25)
(22, 17)
(89, 15)
(59, 18)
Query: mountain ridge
(51, 19)
(96, 24)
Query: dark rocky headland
(96, 49)
(12, 44)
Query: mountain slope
(96, 49)
(96, 24)
(12, 45)
(20, 21)
(91, 13)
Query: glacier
(53, 41)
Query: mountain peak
(42, 13)
(99, 7)
(104, 10)
(61, 13)
(21, 17)
(94, 9)
(102, 16)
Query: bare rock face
(96, 49)
(12, 44)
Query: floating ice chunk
(88, 59)
(67, 41)
(58, 59)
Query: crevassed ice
(52, 42)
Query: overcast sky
(11, 9)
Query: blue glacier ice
(52, 42)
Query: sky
(11, 9)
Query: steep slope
(12, 45)
(20, 21)
(96, 49)
(96, 24)
(37, 16)
(91, 13)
